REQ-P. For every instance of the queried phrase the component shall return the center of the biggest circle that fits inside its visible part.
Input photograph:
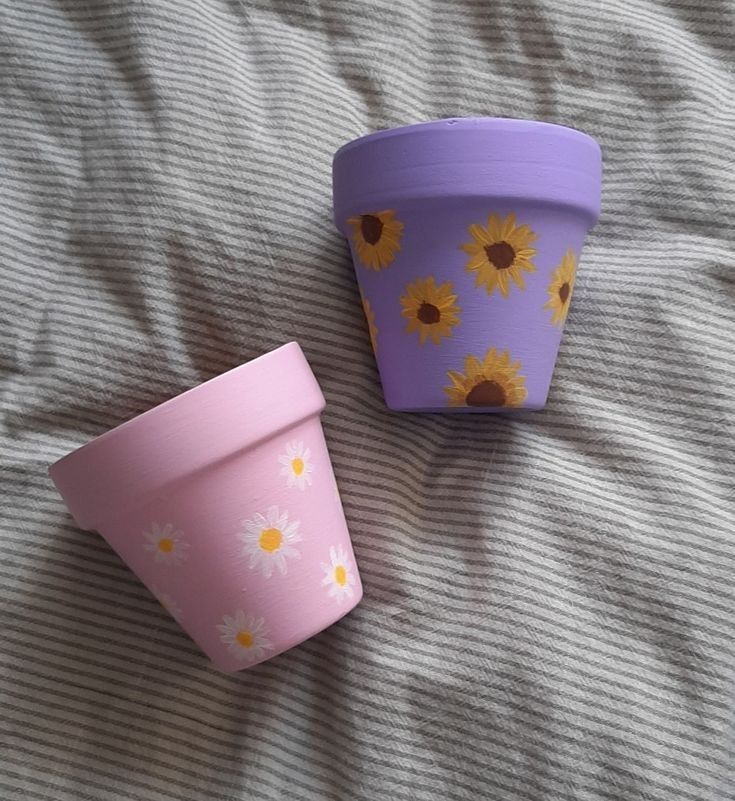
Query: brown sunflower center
(500, 254)
(428, 314)
(564, 291)
(486, 393)
(372, 228)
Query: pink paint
(223, 502)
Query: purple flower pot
(465, 235)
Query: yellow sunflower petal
(516, 396)
(560, 298)
(430, 291)
(497, 369)
(472, 367)
(517, 276)
(413, 291)
(378, 254)
(508, 225)
(445, 302)
(479, 234)
(456, 378)
(477, 262)
(493, 358)
(516, 237)
(488, 278)
(494, 228)
(431, 323)
(503, 282)
(488, 361)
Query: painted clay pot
(223, 502)
(465, 235)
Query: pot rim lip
(446, 125)
(187, 434)
(188, 400)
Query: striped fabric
(550, 609)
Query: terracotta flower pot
(465, 236)
(223, 502)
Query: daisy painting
(296, 465)
(246, 636)
(168, 603)
(339, 576)
(269, 541)
(167, 545)
(500, 253)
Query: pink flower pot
(223, 502)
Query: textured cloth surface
(549, 609)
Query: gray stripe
(636, 718)
(573, 653)
(543, 554)
(458, 522)
(518, 513)
(297, 49)
(549, 607)
(66, 565)
(564, 634)
(538, 614)
(494, 743)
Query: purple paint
(466, 303)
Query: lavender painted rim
(476, 156)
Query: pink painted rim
(189, 432)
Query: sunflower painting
(370, 317)
(491, 382)
(376, 238)
(431, 310)
(500, 253)
(560, 288)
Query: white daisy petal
(268, 541)
(297, 465)
(168, 603)
(339, 574)
(245, 636)
(167, 544)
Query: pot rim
(230, 412)
(494, 157)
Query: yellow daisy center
(166, 544)
(245, 638)
(297, 465)
(340, 575)
(486, 393)
(564, 291)
(500, 254)
(428, 314)
(270, 539)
